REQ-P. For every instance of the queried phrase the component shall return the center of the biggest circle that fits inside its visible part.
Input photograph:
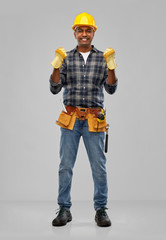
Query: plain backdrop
(29, 138)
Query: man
(83, 73)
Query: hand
(109, 56)
(60, 55)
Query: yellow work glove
(60, 55)
(109, 56)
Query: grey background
(29, 139)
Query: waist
(82, 113)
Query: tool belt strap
(82, 113)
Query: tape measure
(101, 117)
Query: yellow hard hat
(84, 19)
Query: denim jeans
(94, 144)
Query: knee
(100, 173)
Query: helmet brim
(86, 25)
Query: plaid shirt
(83, 83)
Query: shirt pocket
(97, 75)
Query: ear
(75, 35)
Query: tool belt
(67, 119)
(82, 113)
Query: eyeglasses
(79, 30)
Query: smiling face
(84, 36)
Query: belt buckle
(83, 109)
(83, 112)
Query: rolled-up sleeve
(55, 87)
(111, 88)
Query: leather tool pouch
(66, 120)
(95, 126)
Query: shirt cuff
(114, 85)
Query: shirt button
(84, 75)
(83, 98)
(83, 65)
(84, 87)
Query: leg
(68, 151)
(94, 143)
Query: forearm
(55, 77)
(55, 82)
(111, 82)
(111, 77)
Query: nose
(84, 33)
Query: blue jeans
(94, 144)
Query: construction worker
(83, 73)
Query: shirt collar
(92, 50)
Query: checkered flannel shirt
(83, 83)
